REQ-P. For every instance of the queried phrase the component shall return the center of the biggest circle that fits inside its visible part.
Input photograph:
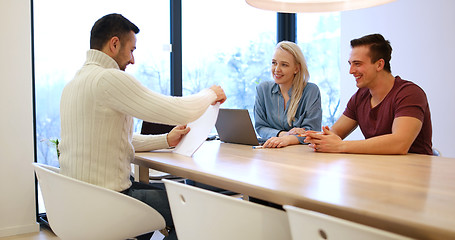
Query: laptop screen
(234, 126)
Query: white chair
(79, 210)
(202, 214)
(306, 224)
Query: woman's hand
(279, 142)
(297, 131)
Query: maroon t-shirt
(405, 99)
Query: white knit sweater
(97, 109)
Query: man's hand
(325, 141)
(220, 95)
(176, 134)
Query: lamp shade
(295, 6)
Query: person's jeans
(156, 198)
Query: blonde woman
(288, 106)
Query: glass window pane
(61, 40)
(318, 35)
(230, 46)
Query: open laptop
(234, 126)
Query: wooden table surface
(412, 195)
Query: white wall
(422, 37)
(17, 193)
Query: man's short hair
(379, 48)
(110, 26)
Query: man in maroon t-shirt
(393, 114)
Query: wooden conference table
(412, 195)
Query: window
(318, 35)
(61, 39)
(232, 48)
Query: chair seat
(79, 210)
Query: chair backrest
(306, 224)
(202, 214)
(79, 210)
(155, 128)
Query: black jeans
(155, 197)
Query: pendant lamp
(296, 6)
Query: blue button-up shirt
(270, 115)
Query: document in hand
(200, 129)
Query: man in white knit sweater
(97, 109)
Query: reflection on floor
(46, 234)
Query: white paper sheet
(200, 129)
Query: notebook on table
(235, 126)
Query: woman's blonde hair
(300, 78)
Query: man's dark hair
(110, 26)
(379, 48)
